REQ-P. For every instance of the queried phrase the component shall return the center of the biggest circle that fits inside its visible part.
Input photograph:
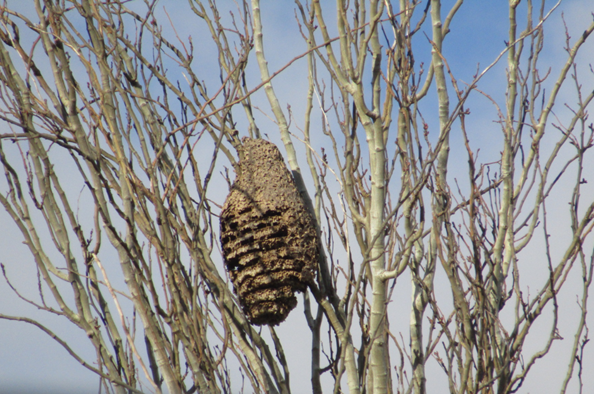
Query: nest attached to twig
(268, 236)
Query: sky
(30, 360)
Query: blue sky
(30, 359)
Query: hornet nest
(269, 238)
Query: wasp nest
(268, 237)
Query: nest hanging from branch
(268, 237)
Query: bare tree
(106, 95)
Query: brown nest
(268, 236)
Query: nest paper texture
(268, 236)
